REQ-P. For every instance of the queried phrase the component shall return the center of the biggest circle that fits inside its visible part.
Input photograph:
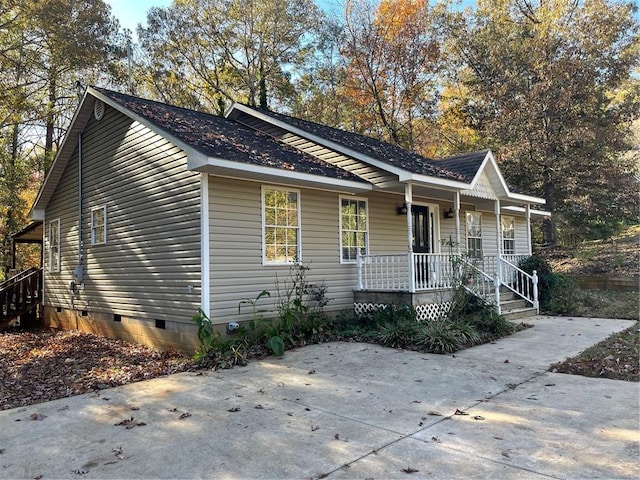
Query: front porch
(426, 281)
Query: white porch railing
(418, 272)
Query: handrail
(486, 288)
(17, 277)
(21, 294)
(520, 282)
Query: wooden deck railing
(20, 294)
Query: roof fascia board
(285, 174)
(533, 211)
(435, 181)
(143, 121)
(489, 159)
(37, 214)
(526, 198)
(314, 138)
(73, 129)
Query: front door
(422, 241)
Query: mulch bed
(41, 365)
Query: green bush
(565, 297)
(397, 334)
(439, 336)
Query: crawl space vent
(98, 109)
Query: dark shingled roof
(465, 164)
(377, 149)
(219, 137)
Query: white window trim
(466, 225)
(52, 267)
(502, 230)
(266, 262)
(349, 197)
(104, 226)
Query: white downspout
(79, 270)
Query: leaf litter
(42, 365)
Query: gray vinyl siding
(150, 266)
(63, 206)
(236, 269)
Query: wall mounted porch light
(449, 213)
(403, 209)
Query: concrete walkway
(349, 410)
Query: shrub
(398, 334)
(438, 336)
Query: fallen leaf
(478, 417)
(506, 361)
(135, 408)
(37, 477)
(460, 412)
(315, 427)
(184, 415)
(130, 423)
(234, 409)
(37, 416)
(505, 454)
(258, 407)
(410, 470)
(80, 471)
(311, 372)
(434, 413)
(436, 439)
(416, 401)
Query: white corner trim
(205, 263)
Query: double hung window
(281, 226)
(354, 228)
(474, 234)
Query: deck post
(456, 208)
(412, 270)
(496, 286)
(536, 302)
(359, 266)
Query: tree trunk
(262, 88)
(549, 223)
(50, 126)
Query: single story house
(152, 211)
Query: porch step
(506, 305)
(519, 313)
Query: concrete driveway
(349, 410)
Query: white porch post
(498, 229)
(408, 199)
(527, 209)
(498, 272)
(456, 208)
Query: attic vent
(98, 110)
